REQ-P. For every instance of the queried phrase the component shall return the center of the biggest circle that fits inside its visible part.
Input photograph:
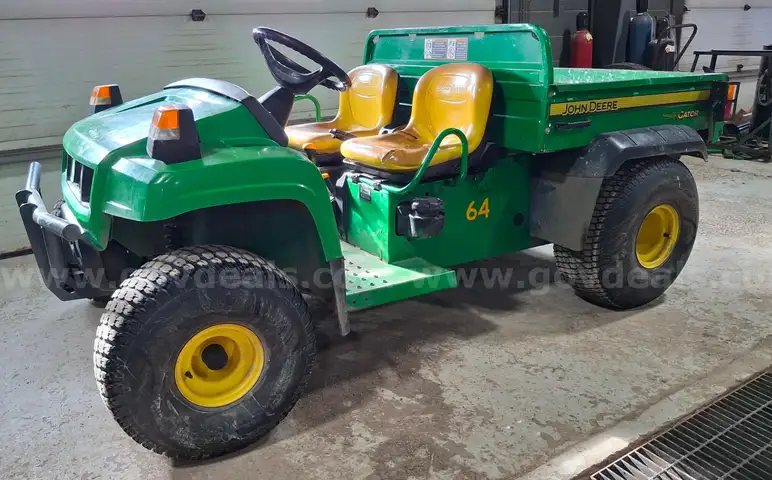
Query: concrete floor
(471, 383)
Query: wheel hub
(219, 365)
(657, 236)
(215, 357)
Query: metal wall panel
(726, 4)
(725, 24)
(144, 8)
(49, 66)
(12, 178)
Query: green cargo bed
(585, 79)
(536, 107)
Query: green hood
(122, 131)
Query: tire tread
(122, 321)
(583, 269)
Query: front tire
(640, 236)
(203, 351)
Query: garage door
(52, 53)
(12, 178)
(729, 24)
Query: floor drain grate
(729, 439)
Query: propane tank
(640, 34)
(581, 45)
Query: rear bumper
(71, 268)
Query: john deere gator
(208, 220)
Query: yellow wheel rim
(657, 236)
(219, 365)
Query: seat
(456, 95)
(365, 108)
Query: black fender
(565, 185)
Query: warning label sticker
(446, 48)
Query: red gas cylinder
(581, 45)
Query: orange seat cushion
(398, 151)
(316, 134)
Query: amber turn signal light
(173, 136)
(104, 97)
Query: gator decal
(682, 115)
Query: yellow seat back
(369, 103)
(363, 110)
(455, 95)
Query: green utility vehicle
(208, 220)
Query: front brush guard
(64, 258)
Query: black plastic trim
(328, 159)
(278, 103)
(565, 185)
(607, 152)
(233, 92)
(50, 239)
(479, 160)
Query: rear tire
(610, 271)
(150, 352)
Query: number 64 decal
(473, 213)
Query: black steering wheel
(290, 74)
